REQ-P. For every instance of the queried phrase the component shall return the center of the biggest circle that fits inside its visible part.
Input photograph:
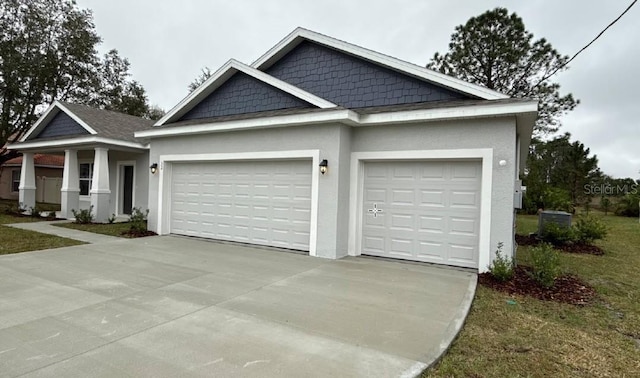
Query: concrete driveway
(170, 306)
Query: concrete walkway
(49, 228)
(170, 306)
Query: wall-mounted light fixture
(502, 163)
(154, 168)
(324, 165)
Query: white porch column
(70, 191)
(27, 188)
(100, 192)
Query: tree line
(495, 50)
(48, 51)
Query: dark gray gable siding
(61, 125)
(352, 82)
(243, 94)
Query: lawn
(113, 229)
(536, 338)
(6, 219)
(14, 240)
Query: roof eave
(84, 141)
(351, 118)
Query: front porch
(107, 180)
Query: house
(105, 165)
(48, 171)
(329, 148)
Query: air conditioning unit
(561, 218)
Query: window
(15, 180)
(86, 175)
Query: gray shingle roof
(109, 124)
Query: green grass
(15, 240)
(113, 229)
(6, 218)
(537, 338)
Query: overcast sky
(168, 42)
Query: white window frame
(90, 179)
(13, 181)
(120, 185)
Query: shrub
(111, 219)
(589, 228)
(558, 234)
(545, 265)
(52, 214)
(83, 216)
(605, 204)
(138, 220)
(14, 209)
(557, 199)
(35, 212)
(502, 266)
(628, 205)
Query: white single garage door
(257, 202)
(422, 211)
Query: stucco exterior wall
(325, 138)
(336, 143)
(498, 134)
(5, 180)
(141, 178)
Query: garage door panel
(267, 203)
(431, 198)
(431, 251)
(402, 222)
(464, 199)
(465, 172)
(432, 172)
(401, 247)
(400, 197)
(426, 211)
(462, 255)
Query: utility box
(561, 218)
(518, 194)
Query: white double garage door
(414, 210)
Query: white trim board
(49, 114)
(74, 142)
(357, 180)
(300, 34)
(165, 177)
(351, 118)
(119, 165)
(222, 75)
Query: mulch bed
(567, 289)
(138, 234)
(588, 249)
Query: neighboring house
(48, 171)
(330, 148)
(105, 166)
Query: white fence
(48, 189)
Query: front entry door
(127, 189)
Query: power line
(587, 45)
